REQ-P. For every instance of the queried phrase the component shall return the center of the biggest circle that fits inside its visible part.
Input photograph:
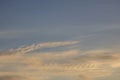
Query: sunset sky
(59, 39)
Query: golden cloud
(85, 65)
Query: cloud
(26, 49)
(12, 77)
(85, 65)
(75, 62)
(4, 34)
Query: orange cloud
(76, 63)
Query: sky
(59, 39)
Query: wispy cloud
(44, 65)
(15, 33)
(26, 49)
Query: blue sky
(25, 22)
(94, 23)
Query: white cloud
(30, 48)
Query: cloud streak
(26, 49)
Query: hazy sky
(87, 31)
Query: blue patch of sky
(57, 20)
